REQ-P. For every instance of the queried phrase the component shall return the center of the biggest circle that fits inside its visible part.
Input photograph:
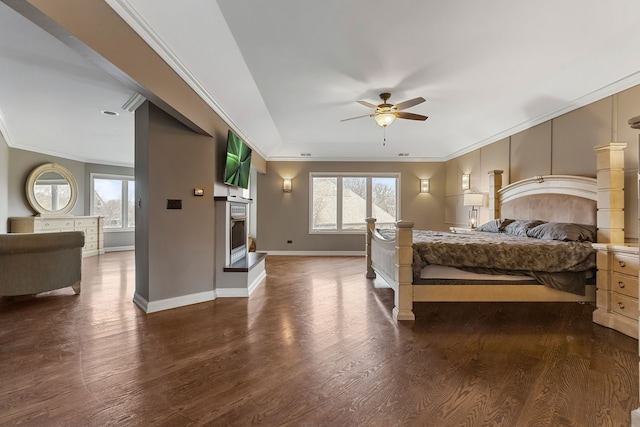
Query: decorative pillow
(569, 232)
(520, 227)
(495, 226)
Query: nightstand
(617, 288)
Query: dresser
(617, 288)
(90, 225)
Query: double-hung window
(341, 202)
(113, 198)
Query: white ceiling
(51, 98)
(284, 73)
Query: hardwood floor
(315, 345)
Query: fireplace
(237, 232)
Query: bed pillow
(569, 232)
(495, 226)
(519, 227)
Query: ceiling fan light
(385, 119)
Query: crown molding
(597, 95)
(4, 130)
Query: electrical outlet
(289, 241)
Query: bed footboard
(392, 260)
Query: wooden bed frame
(571, 198)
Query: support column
(610, 170)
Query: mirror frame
(31, 182)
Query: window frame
(125, 179)
(369, 208)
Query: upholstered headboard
(558, 198)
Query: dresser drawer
(86, 222)
(624, 305)
(53, 224)
(626, 264)
(623, 284)
(87, 230)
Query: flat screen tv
(238, 163)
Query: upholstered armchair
(34, 263)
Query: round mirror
(51, 190)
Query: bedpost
(610, 169)
(495, 184)
(371, 225)
(403, 309)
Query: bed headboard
(558, 198)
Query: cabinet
(617, 288)
(90, 225)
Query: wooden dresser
(91, 225)
(617, 288)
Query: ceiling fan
(386, 113)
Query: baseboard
(316, 253)
(232, 292)
(254, 285)
(140, 301)
(169, 303)
(119, 248)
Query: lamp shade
(385, 119)
(473, 199)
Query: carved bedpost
(371, 225)
(610, 167)
(403, 309)
(495, 184)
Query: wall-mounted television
(238, 162)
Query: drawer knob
(621, 284)
(621, 305)
(622, 263)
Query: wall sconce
(473, 200)
(424, 185)
(466, 182)
(198, 192)
(286, 185)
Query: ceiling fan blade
(410, 116)
(410, 103)
(368, 104)
(358, 117)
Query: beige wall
(562, 146)
(285, 216)
(4, 184)
(174, 248)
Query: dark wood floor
(315, 345)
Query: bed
(395, 255)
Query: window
(340, 203)
(113, 197)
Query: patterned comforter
(557, 264)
